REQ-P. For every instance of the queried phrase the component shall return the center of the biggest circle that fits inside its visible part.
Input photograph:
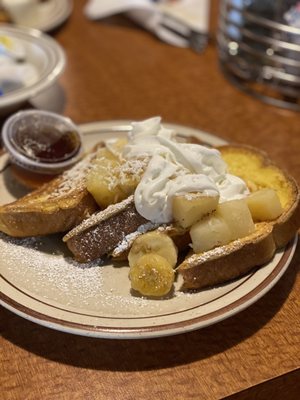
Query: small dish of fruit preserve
(41, 144)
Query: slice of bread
(56, 206)
(240, 256)
(230, 261)
(258, 171)
(98, 235)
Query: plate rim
(54, 51)
(163, 330)
(171, 328)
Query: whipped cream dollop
(176, 169)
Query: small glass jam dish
(41, 145)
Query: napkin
(182, 23)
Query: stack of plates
(259, 48)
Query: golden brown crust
(230, 261)
(56, 206)
(22, 222)
(286, 226)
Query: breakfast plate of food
(158, 230)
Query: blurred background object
(44, 15)
(181, 23)
(259, 48)
(30, 63)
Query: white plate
(40, 282)
(44, 16)
(41, 51)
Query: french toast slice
(55, 207)
(258, 171)
(98, 235)
(237, 258)
(230, 261)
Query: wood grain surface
(115, 70)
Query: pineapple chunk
(102, 181)
(212, 231)
(100, 189)
(104, 155)
(112, 178)
(115, 146)
(232, 220)
(264, 205)
(129, 175)
(192, 207)
(237, 216)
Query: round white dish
(44, 53)
(45, 16)
(41, 282)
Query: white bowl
(44, 53)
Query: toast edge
(230, 261)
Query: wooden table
(117, 71)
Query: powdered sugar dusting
(217, 252)
(27, 261)
(118, 171)
(41, 268)
(132, 167)
(126, 243)
(74, 178)
(98, 217)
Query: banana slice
(153, 242)
(152, 275)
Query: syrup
(30, 179)
(49, 145)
